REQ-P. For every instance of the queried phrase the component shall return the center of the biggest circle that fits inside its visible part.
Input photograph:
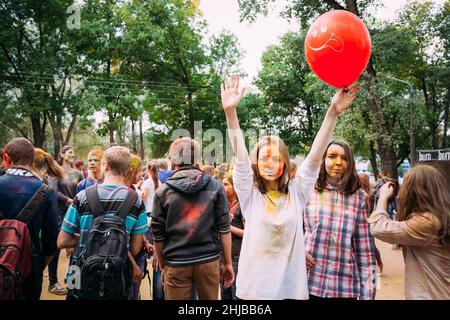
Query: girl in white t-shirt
(149, 186)
(272, 264)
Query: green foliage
(413, 49)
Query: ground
(390, 285)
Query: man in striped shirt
(79, 218)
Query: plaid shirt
(338, 237)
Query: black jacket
(189, 211)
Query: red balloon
(337, 47)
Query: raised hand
(387, 190)
(343, 98)
(230, 93)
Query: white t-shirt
(148, 201)
(272, 262)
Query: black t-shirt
(238, 222)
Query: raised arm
(341, 100)
(231, 96)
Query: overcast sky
(254, 38)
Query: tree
(381, 112)
(37, 66)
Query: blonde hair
(45, 160)
(135, 167)
(283, 180)
(118, 158)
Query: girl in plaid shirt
(272, 262)
(339, 246)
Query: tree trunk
(385, 148)
(71, 129)
(383, 130)
(141, 138)
(111, 136)
(446, 118)
(373, 160)
(38, 131)
(133, 137)
(191, 115)
(57, 142)
(56, 125)
(111, 118)
(388, 160)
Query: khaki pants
(179, 281)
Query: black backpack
(105, 270)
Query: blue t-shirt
(79, 218)
(164, 175)
(86, 183)
(17, 186)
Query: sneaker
(57, 289)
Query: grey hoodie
(189, 212)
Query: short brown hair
(185, 151)
(20, 151)
(283, 180)
(350, 181)
(119, 159)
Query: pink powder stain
(190, 215)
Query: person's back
(111, 198)
(17, 187)
(427, 266)
(422, 231)
(192, 198)
(89, 213)
(191, 226)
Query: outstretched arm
(341, 101)
(231, 96)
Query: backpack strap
(34, 204)
(94, 201)
(127, 204)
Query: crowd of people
(262, 227)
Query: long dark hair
(424, 191)
(153, 170)
(64, 150)
(349, 183)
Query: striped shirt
(337, 235)
(79, 218)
